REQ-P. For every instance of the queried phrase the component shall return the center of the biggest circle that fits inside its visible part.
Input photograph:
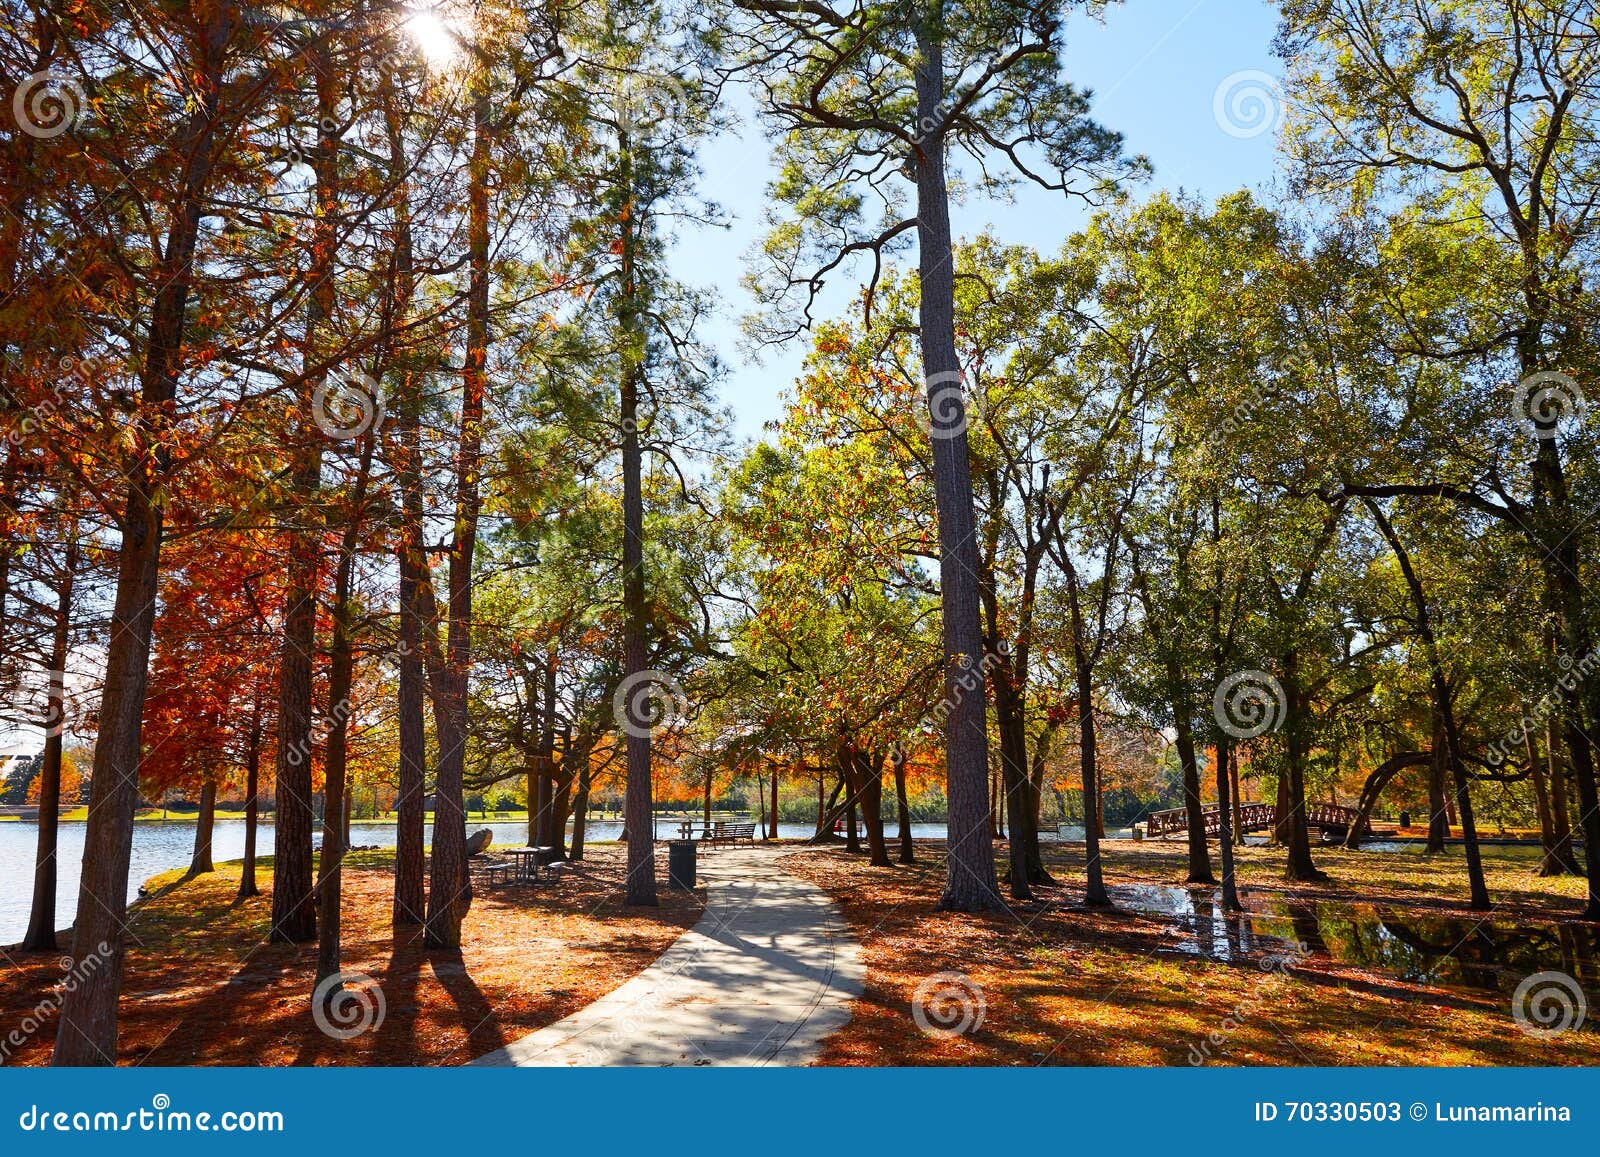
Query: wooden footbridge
(1332, 819)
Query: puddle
(1487, 956)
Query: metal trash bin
(681, 863)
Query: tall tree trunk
(1225, 809)
(252, 799)
(772, 823)
(341, 678)
(828, 812)
(410, 892)
(41, 934)
(971, 884)
(1444, 709)
(1194, 805)
(449, 885)
(869, 772)
(1095, 894)
(1564, 580)
(580, 806)
(1438, 805)
(638, 792)
(294, 914)
(1559, 858)
(902, 806)
(563, 798)
(1299, 865)
(1238, 796)
(86, 1032)
(204, 825)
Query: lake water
(160, 846)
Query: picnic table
(526, 861)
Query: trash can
(680, 863)
(1405, 819)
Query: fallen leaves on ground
(203, 987)
(1052, 982)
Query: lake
(159, 846)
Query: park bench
(726, 834)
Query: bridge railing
(1252, 817)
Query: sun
(435, 37)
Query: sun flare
(435, 37)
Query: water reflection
(1485, 955)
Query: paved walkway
(766, 974)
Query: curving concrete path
(764, 976)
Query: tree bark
(971, 884)
(1223, 753)
(1299, 865)
(1194, 805)
(638, 792)
(410, 891)
(1444, 709)
(449, 885)
(902, 806)
(1095, 894)
(294, 914)
(205, 823)
(86, 1033)
(341, 678)
(252, 801)
(41, 934)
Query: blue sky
(1155, 67)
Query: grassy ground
(1056, 983)
(203, 986)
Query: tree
(870, 103)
